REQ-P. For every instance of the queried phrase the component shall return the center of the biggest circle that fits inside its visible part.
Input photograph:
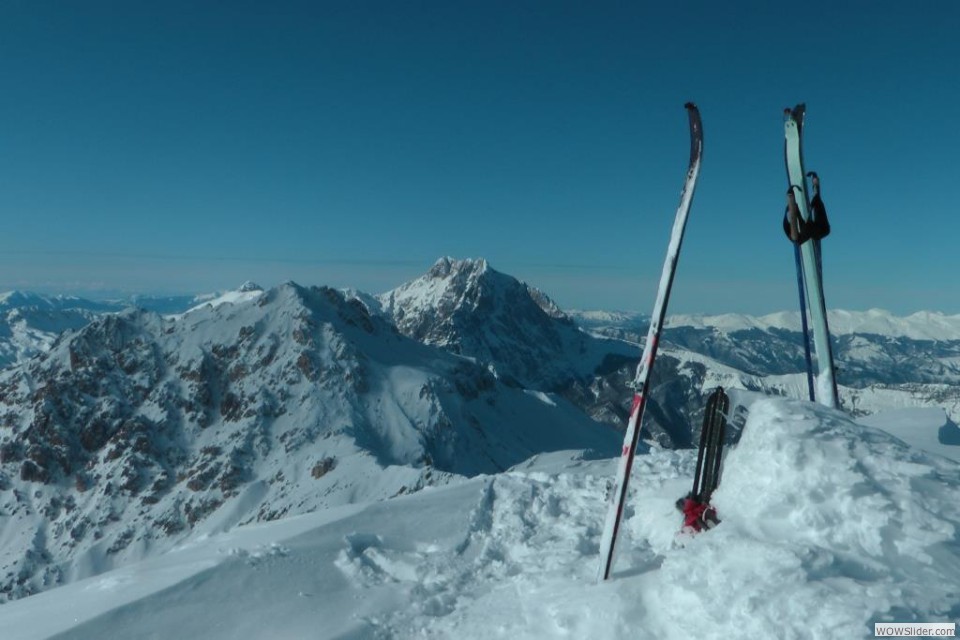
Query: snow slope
(828, 526)
(928, 429)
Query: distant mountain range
(30, 322)
(923, 325)
(883, 361)
(123, 427)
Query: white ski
(826, 391)
(608, 540)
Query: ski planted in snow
(810, 230)
(641, 385)
(697, 512)
(791, 226)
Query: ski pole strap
(797, 229)
(820, 225)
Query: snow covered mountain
(923, 325)
(135, 430)
(870, 347)
(828, 527)
(468, 308)
(883, 361)
(30, 322)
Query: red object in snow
(698, 515)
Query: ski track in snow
(827, 527)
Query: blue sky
(184, 147)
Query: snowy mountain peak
(247, 291)
(467, 286)
(446, 267)
(469, 308)
(249, 286)
(450, 286)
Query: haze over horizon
(856, 316)
(179, 148)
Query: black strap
(819, 223)
(797, 229)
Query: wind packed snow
(827, 527)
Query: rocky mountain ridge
(138, 429)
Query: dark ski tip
(696, 132)
(795, 114)
(694, 112)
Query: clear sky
(184, 147)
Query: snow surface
(928, 429)
(828, 526)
